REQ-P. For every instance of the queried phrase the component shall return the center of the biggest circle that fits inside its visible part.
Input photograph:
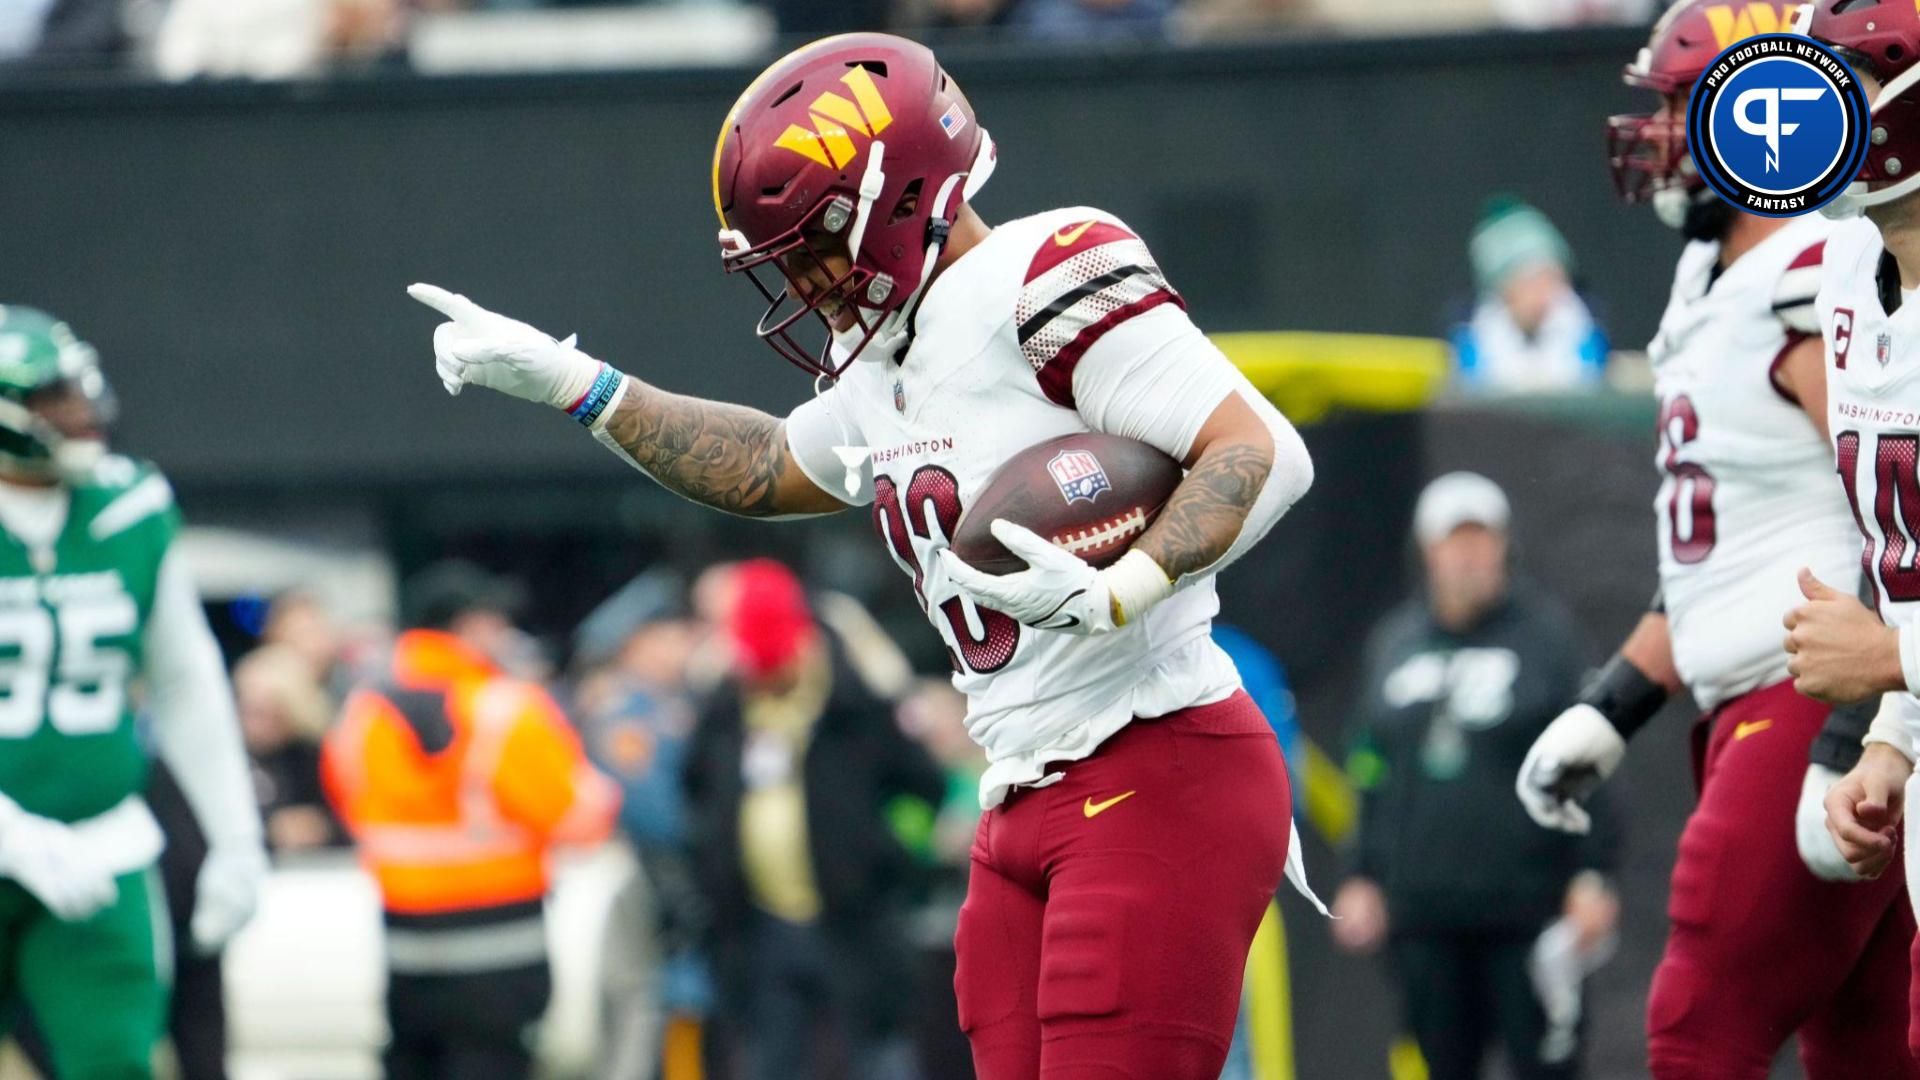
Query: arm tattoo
(1201, 520)
(728, 457)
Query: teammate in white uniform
(1119, 930)
(1747, 498)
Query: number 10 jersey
(1748, 494)
(1873, 411)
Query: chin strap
(893, 326)
(871, 182)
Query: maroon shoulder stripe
(1070, 240)
(1794, 337)
(1056, 375)
(1809, 257)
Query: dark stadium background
(239, 254)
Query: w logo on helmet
(829, 141)
(1738, 22)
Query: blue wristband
(594, 402)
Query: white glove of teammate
(50, 862)
(1810, 834)
(1569, 759)
(1058, 590)
(226, 893)
(481, 348)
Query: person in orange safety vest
(455, 781)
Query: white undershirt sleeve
(1157, 378)
(828, 448)
(194, 722)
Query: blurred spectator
(479, 608)
(456, 780)
(1529, 330)
(793, 763)
(934, 714)
(962, 14)
(1545, 14)
(275, 39)
(65, 32)
(1200, 20)
(1091, 20)
(1490, 921)
(1265, 681)
(283, 715)
(638, 721)
(300, 623)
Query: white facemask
(1670, 205)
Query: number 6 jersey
(1747, 494)
(995, 366)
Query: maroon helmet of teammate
(1648, 151)
(1881, 39)
(857, 149)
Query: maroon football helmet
(1648, 152)
(859, 145)
(1881, 39)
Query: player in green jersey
(98, 617)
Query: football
(1089, 493)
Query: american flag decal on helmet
(953, 120)
(1087, 278)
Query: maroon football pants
(1108, 916)
(1758, 947)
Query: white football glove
(1058, 590)
(1810, 834)
(1569, 759)
(50, 862)
(481, 348)
(226, 893)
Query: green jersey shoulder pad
(127, 492)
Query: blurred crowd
(186, 39)
(798, 805)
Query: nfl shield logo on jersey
(899, 397)
(1883, 348)
(1079, 475)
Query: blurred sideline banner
(1308, 375)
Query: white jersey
(1873, 412)
(1748, 493)
(990, 372)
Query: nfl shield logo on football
(1079, 475)
(1883, 348)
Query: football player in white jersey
(1841, 651)
(1747, 498)
(1137, 812)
